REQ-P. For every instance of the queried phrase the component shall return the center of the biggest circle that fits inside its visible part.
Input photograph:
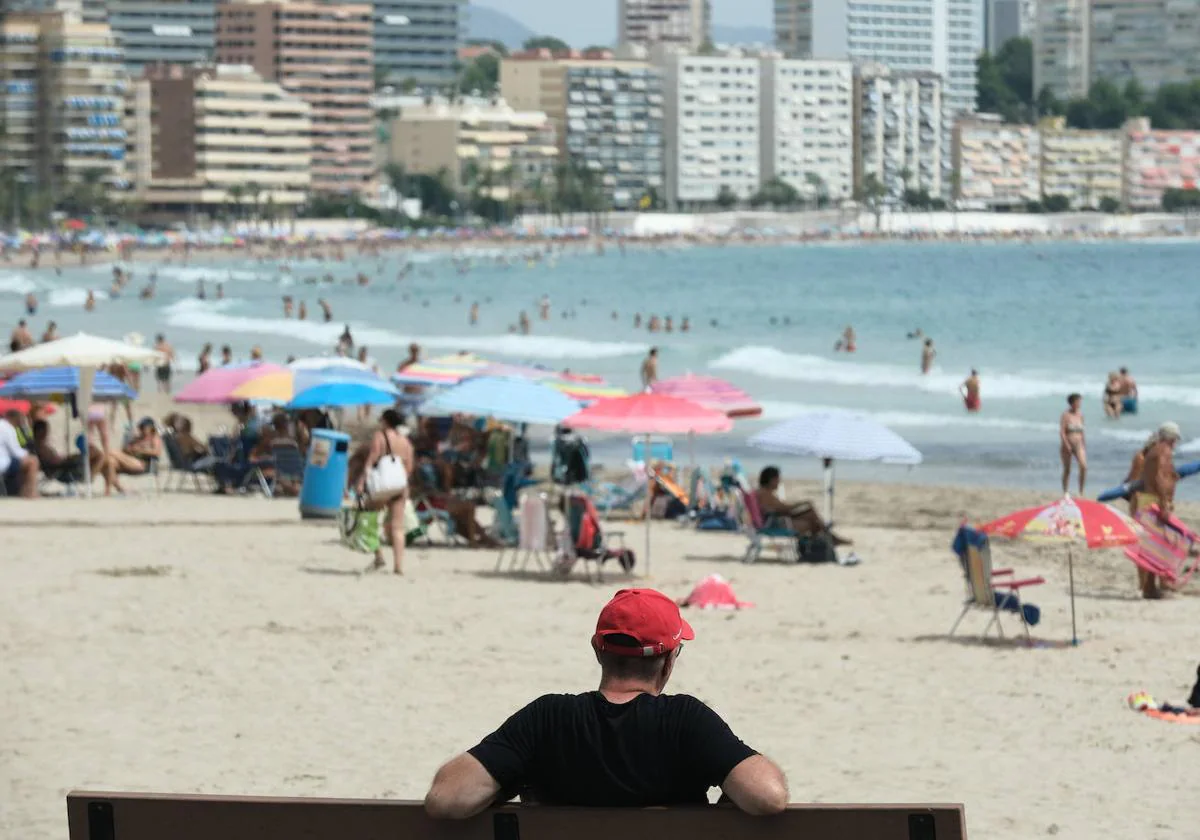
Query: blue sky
(595, 21)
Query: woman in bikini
(1070, 434)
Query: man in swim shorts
(1129, 393)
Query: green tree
(481, 76)
(871, 195)
(1108, 204)
(726, 198)
(408, 85)
(776, 193)
(1056, 203)
(1005, 81)
(545, 42)
(234, 197)
(820, 192)
(1177, 200)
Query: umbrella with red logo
(1069, 521)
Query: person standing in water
(970, 391)
(473, 316)
(848, 342)
(928, 354)
(1129, 393)
(650, 369)
(1071, 441)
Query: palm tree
(817, 183)
(253, 191)
(905, 177)
(234, 194)
(872, 194)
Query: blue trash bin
(325, 475)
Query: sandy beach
(178, 642)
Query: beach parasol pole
(649, 479)
(828, 462)
(1071, 576)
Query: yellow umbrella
(278, 387)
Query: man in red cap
(627, 744)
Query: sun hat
(645, 615)
(1169, 431)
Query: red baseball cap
(643, 614)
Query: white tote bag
(388, 478)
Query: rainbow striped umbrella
(445, 370)
(710, 392)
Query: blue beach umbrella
(343, 394)
(512, 399)
(60, 381)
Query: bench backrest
(133, 816)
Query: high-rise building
(158, 31)
(807, 126)
(502, 153)
(899, 131)
(607, 113)
(648, 23)
(1157, 160)
(1155, 41)
(1002, 21)
(1084, 166)
(712, 113)
(20, 35)
(321, 53)
(998, 165)
(1061, 42)
(418, 40)
(940, 36)
(213, 140)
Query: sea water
(1038, 320)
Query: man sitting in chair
(802, 517)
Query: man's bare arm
(462, 788)
(757, 786)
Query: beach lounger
(288, 467)
(132, 816)
(992, 590)
(765, 531)
(1170, 550)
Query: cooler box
(325, 475)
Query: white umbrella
(830, 435)
(86, 352)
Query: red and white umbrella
(1069, 521)
(710, 392)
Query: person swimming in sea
(848, 343)
(914, 334)
(326, 309)
(473, 314)
(287, 306)
(302, 311)
(637, 321)
(523, 322)
(31, 303)
(928, 354)
(970, 391)
(220, 291)
(200, 293)
(89, 303)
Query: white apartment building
(711, 129)
(939, 36)
(808, 126)
(899, 130)
(648, 23)
(1062, 47)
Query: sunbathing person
(802, 517)
(141, 452)
(66, 468)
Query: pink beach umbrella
(649, 414)
(216, 385)
(710, 392)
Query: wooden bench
(138, 816)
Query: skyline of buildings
(649, 23)
(321, 53)
(158, 31)
(417, 39)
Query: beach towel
(1143, 703)
(714, 592)
(533, 530)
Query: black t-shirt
(580, 749)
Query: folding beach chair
(990, 589)
(288, 467)
(1168, 549)
(535, 534)
(629, 496)
(585, 539)
(182, 467)
(765, 531)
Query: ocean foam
(777, 410)
(16, 284)
(215, 317)
(70, 297)
(771, 363)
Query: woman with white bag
(384, 481)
